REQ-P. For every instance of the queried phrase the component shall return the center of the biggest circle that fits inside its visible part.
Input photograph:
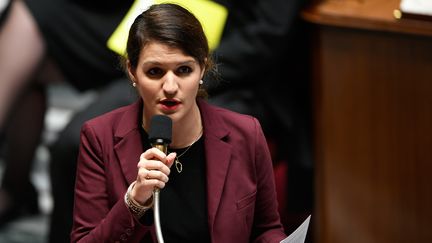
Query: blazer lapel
(218, 157)
(129, 147)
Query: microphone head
(160, 129)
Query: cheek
(146, 92)
(192, 91)
(193, 86)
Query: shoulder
(108, 118)
(120, 118)
(232, 121)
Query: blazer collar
(129, 147)
(218, 157)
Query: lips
(169, 104)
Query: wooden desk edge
(345, 15)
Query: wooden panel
(373, 102)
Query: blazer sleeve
(267, 226)
(96, 218)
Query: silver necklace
(177, 163)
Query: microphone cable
(156, 215)
(159, 136)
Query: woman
(221, 187)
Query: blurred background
(64, 101)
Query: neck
(187, 130)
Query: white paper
(299, 235)
(423, 7)
(3, 4)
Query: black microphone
(160, 134)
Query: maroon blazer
(241, 194)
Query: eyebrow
(189, 62)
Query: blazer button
(129, 231)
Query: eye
(154, 72)
(184, 70)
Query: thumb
(170, 159)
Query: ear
(130, 71)
(203, 70)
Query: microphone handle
(156, 198)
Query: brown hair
(172, 25)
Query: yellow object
(211, 15)
(397, 14)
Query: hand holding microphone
(153, 171)
(154, 165)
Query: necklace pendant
(178, 166)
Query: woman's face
(167, 81)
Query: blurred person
(42, 42)
(222, 191)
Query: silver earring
(201, 81)
(134, 84)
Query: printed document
(299, 235)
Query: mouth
(169, 104)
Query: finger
(153, 153)
(156, 183)
(143, 175)
(154, 165)
(154, 174)
(147, 176)
(170, 159)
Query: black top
(183, 201)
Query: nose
(170, 84)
